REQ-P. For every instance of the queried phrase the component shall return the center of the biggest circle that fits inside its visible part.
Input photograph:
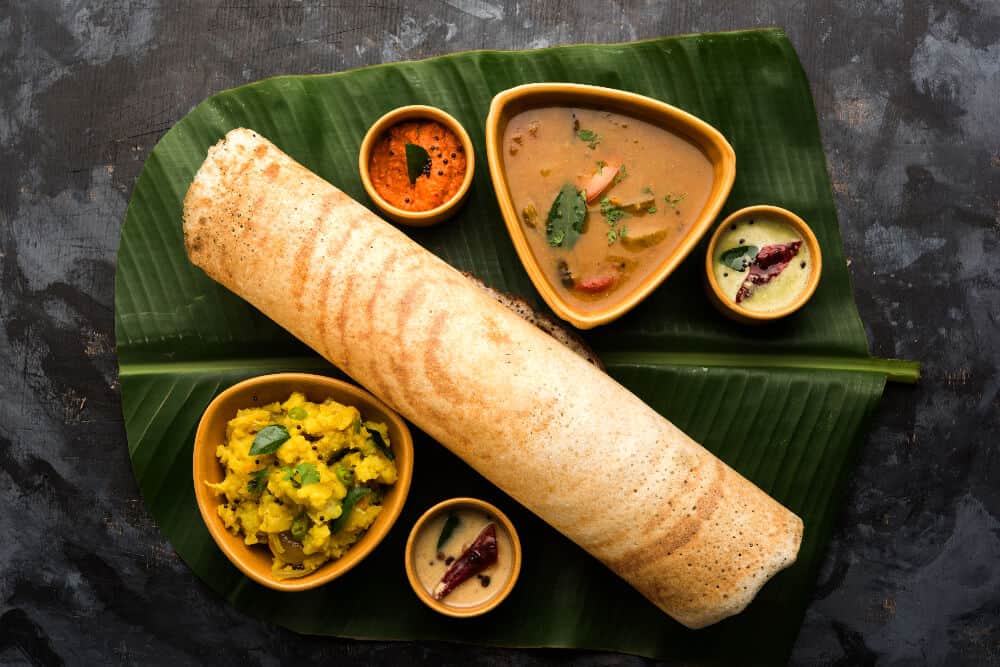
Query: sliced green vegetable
(637, 206)
(450, 524)
(642, 241)
(298, 412)
(380, 444)
(258, 480)
(740, 257)
(300, 526)
(344, 474)
(418, 162)
(347, 505)
(566, 217)
(268, 439)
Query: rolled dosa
(552, 431)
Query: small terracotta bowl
(255, 561)
(510, 102)
(375, 132)
(500, 596)
(730, 308)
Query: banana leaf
(785, 405)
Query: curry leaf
(347, 506)
(268, 439)
(380, 444)
(739, 257)
(450, 524)
(566, 217)
(417, 162)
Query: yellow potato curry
(306, 479)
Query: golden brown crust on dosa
(548, 428)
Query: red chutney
(388, 172)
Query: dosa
(549, 429)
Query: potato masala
(306, 479)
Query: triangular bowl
(711, 142)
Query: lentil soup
(604, 198)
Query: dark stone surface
(907, 95)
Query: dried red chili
(481, 554)
(769, 263)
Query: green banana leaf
(785, 405)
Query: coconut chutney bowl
(463, 557)
(256, 561)
(763, 263)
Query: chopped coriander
(622, 232)
(612, 213)
(592, 138)
(612, 236)
(651, 209)
(601, 164)
(673, 201)
(621, 175)
(301, 475)
(647, 190)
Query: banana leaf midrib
(894, 369)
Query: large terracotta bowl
(255, 561)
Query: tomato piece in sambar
(432, 188)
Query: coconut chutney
(762, 264)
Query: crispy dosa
(555, 433)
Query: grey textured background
(907, 95)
